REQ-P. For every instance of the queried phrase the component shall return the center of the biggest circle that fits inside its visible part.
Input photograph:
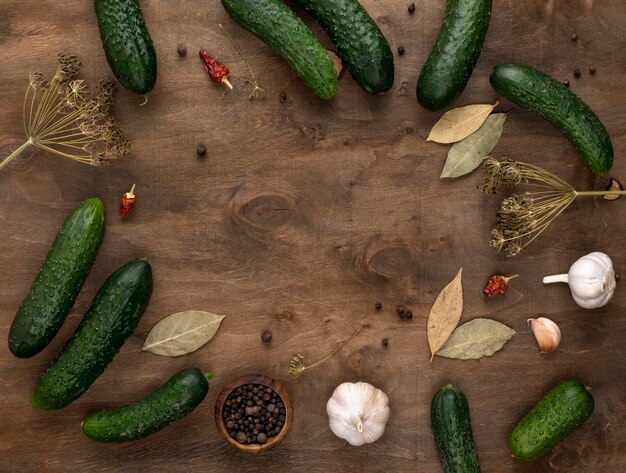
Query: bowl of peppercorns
(253, 413)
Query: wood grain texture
(302, 216)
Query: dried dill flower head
(64, 118)
(523, 217)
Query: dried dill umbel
(523, 217)
(63, 117)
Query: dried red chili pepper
(217, 71)
(497, 285)
(127, 202)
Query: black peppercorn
(577, 73)
(400, 309)
(201, 150)
(408, 314)
(385, 342)
(574, 36)
(378, 306)
(182, 50)
(401, 50)
(566, 83)
(592, 70)
(267, 336)
(412, 8)
(283, 97)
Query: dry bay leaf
(182, 333)
(458, 123)
(476, 339)
(445, 314)
(466, 155)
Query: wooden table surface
(300, 218)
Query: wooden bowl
(267, 382)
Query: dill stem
(600, 193)
(15, 154)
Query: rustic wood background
(300, 218)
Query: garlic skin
(591, 279)
(358, 413)
(547, 334)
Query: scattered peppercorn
(182, 50)
(574, 36)
(412, 8)
(385, 342)
(283, 97)
(253, 414)
(408, 314)
(497, 285)
(400, 309)
(201, 150)
(577, 73)
(401, 50)
(592, 70)
(267, 336)
(566, 83)
(378, 306)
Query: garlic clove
(547, 334)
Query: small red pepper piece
(217, 71)
(497, 285)
(127, 202)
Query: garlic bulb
(547, 334)
(358, 413)
(591, 280)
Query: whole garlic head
(591, 280)
(358, 413)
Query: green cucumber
(180, 395)
(557, 415)
(550, 99)
(452, 427)
(59, 281)
(455, 53)
(360, 44)
(111, 319)
(274, 23)
(127, 44)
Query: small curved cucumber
(59, 281)
(452, 427)
(180, 395)
(557, 415)
(111, 319)
(274, 23)
(127, 44)
(456, 51)
(550, 99)
(360, 44)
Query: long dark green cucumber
(550, 99)
(452, 427)
(127, 44)
(180, 395)
(274, 23)
(456, 51)
(59, 281)
(111, 319)
(360, 44)
(557, 415)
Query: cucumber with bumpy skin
(455, 53)
(180, 395)
(452, 428)
(111, 319)
(274, 23)
(557, 415)
(360, 44)
(127, 44)
(550, 99)
(59, 281)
